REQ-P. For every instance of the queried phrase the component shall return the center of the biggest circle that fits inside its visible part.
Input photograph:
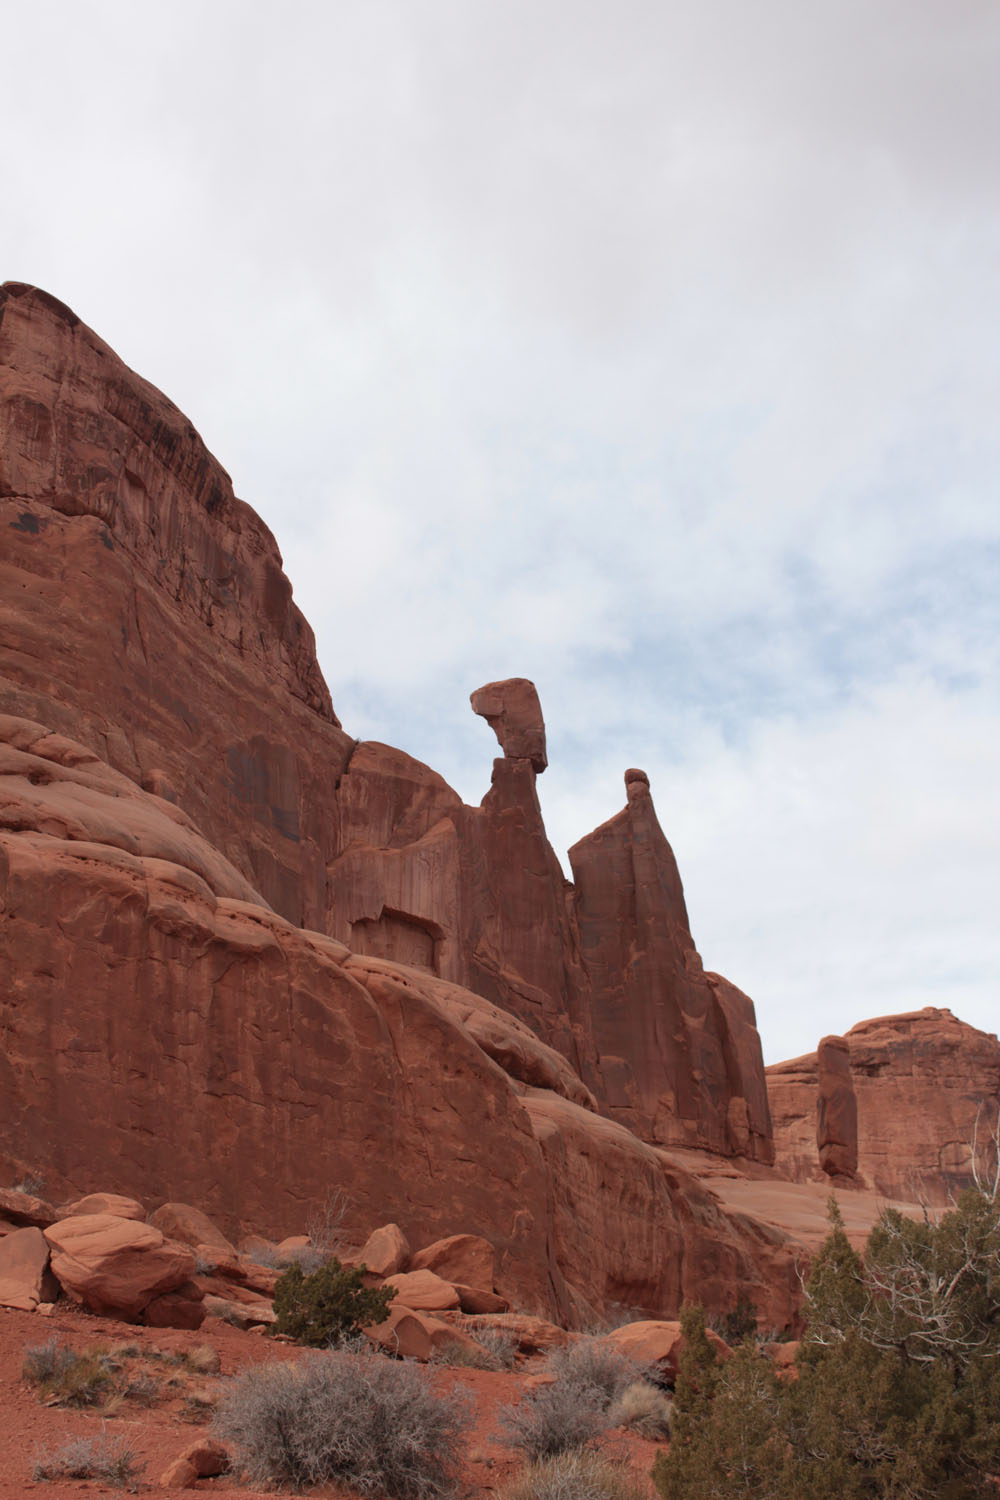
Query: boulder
(115, 1266)
(659, 1343)
(107, 1203)
(25, 1277)
(423, 1291)
(189, 1226)
(240, 1314)
(208, 1458)
(411, 1334)
(183, 1307)
(24, 1209)
(465, 1258)
(179, 1475)
(385, 1251)
(473, 1300)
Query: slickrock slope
(912, 1085)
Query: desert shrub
(67, 1378)
(496, 1351)
(500, 1344)
(106, 1458)
(328, 1305)
(44, 1361)
(593, 1362)
(574, 1476)
(142, 1389)
(643, 1408)
(348, 1415)
(738, 1323)
(554, 1419)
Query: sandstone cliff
(896, 1104)
(248, 960)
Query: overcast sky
(648, 350)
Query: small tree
(328, 1305)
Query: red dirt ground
(160, 1433)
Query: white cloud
(647, 352)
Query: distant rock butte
(898, 1101)
(248, 960)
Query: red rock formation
(836, 1109)
(143, 610)
(514, 713)
(678, 1055)
(179, 807)
(920, 1080)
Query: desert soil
(159, 1433)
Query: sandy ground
(159, 1433)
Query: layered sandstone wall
(897, 1103)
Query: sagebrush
(554, 1419)
(109, 1459)
(574, 1476)
(348, 1415)
(593, 1361)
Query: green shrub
(351, 1416)
(898, 1378)
(328, 1305)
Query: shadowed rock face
(225, 921)
(918, 1083)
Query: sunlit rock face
(916, 1091)
(228, 922)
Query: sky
(647, 350)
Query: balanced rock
(513, 712)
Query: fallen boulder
(465, 1258)
(25, 1277)
(385, 1251)
(423, 1291)
(113, 1265)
